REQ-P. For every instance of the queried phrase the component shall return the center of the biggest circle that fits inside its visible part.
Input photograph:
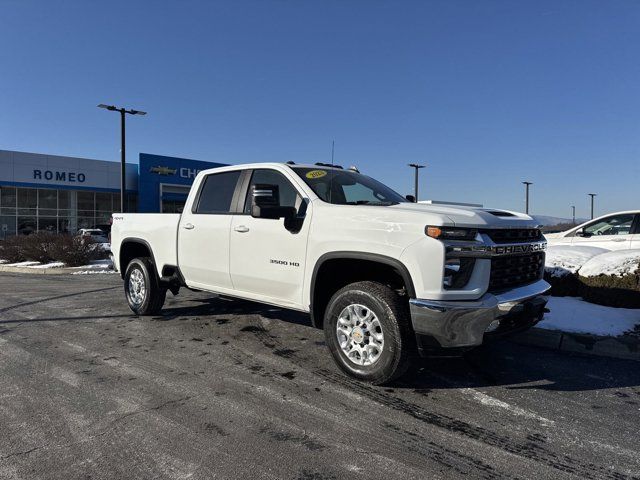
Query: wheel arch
(362, 266)
(131, 248)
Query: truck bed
(158, 230)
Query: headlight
(451, 233)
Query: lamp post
(592, 195)
(123, 112)
(573, 213)
(526, 184)
(416, 167)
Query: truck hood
(472, 217)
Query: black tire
(392, 311)
(154, 295)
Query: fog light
(452, 270)
(493, 326)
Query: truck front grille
(513, 235)
(515, 270)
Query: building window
(64, 199)
(8, 199)
(47, 202)
(27, 201)
(27, 225)
(27, 210)
(48, 224)
(86, 201)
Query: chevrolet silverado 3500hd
(384, 277)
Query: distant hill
(551, 221)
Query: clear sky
(486, 93)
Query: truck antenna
(333, 144)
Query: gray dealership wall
(53, 171)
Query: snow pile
(94, 271)
(562, 260)
(619, 262)
(21, 264)
(570, 314)
(31, 264)
(97, 267)
(48, 265)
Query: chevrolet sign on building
(163, 170)
(62, 194)
(165, 183)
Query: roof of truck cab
(246, 166)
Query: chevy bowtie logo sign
(163, 170)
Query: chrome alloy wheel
(360, 334)
(137, 287)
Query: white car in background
(614, 231)
(94, 234)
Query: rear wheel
(142, 288)
(367, 329)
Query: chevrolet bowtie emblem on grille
(163, 170)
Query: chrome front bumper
(451, 324)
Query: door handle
(188, 226)
(241, 229)
(619, 239)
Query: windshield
(346, 187)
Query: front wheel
(144, 294)
(367, 329)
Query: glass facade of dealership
(26, 210)
(40, 192)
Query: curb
(624, 347)
(39, 271)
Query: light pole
(526, 184)
(573, 213)
(592, 195)
(123, 112)
(416, 167)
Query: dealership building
(63, 194)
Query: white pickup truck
(384, 277)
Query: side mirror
(265, 203)
(410, 198)
(582, 233)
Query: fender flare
(139, 241)
(352, 255)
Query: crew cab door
(203, 233)
(267, 260)
(612, 233)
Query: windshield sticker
(313, 174)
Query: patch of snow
(48, 265)
(3, 261)
(618, 262)
(562, 260)
(21, 264)
(103, 271)
(570, 314)
(95, 267)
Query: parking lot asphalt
(219, 388)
